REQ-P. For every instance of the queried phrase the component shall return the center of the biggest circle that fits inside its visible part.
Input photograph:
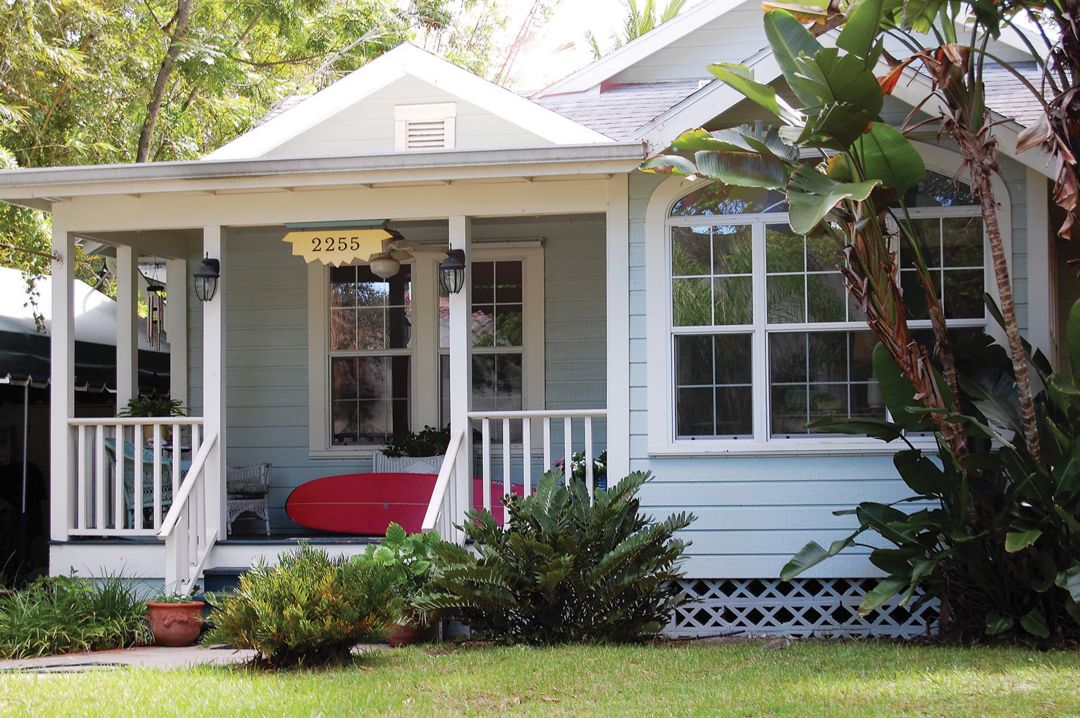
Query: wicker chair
(246, 491)
(147, 499)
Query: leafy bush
(429, 441)
(308, 609)
(410, 557)
(152, 405)
(562, 571)
(64, 614)
(999, 544)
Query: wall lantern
(206, 279)
(452, 271)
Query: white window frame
(660, 330)
(424, 365)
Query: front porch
(311, 369)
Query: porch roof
(41, 187)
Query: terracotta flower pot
(175, 624)
(406, 634)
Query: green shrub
(410, 557)
(309, 609)
(998, 544)
(562, 571)
(64, 614)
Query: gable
(369, 126)
(356, 114)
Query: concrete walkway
(146, 657)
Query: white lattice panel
(802, 607)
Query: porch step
(222, 578)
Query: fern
(563, 570)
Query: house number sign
(337, 246)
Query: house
(601, 308)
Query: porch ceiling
(40, 188)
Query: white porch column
(127, 327)
(176, 313)
(214, 384)
(461, 368)
(618, 328)
(62, 390)
(1041, 304)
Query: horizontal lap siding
(754, 513)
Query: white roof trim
(637, 50)
(405, 60)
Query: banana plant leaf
(812, 195)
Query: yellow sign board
(336, 247)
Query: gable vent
(424, 127)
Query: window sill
(789, 447)
(344, 452)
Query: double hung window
(764, 338)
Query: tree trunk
(179, 23)
(981, 158)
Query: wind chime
(155, 311)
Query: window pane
(369, 399)
(826, 297)
(732, 249)
(508, 320)
(483, 325)
(817, 374)
(914, 297)
(938, 190)
(713, 393)
(733, 300)
(928, 231)
(690, 250)
(786, 298)
(964, 294)
(368, 313)
(343, 286)
(508, 287)
(822, 254)
(483, 282)
(962, 241)
(371, 329)
(691, 302)
(342, 329)
(783, 249)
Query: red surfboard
(365, 504)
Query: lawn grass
(806, 679)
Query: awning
(25, 359)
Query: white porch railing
(518, 431)
(127, 471)
(185, 530)
(443, 509)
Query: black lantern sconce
(452, 271)
(206, 279)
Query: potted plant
(149, 405)
(415, 452)
(409, 557)
(175, 620)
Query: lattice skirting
(825, 607)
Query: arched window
(764, 338)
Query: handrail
(137, 421)
(443, 482)
(538, 414)
(180, 500)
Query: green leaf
(898, 392)
(921, 474)
(882, 592)
(812, 195)
(1035, 623)
(395, 534)
(860, 28)
(1072, 332)
(1020, 540)
(1070, 581)
(918, 15)
(811, 555)
(789, 39)
(743, 169)
(669, 165)
(874, 428)
(740, 79)
(997, 624)
(888, 156)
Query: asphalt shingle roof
(618, 110)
